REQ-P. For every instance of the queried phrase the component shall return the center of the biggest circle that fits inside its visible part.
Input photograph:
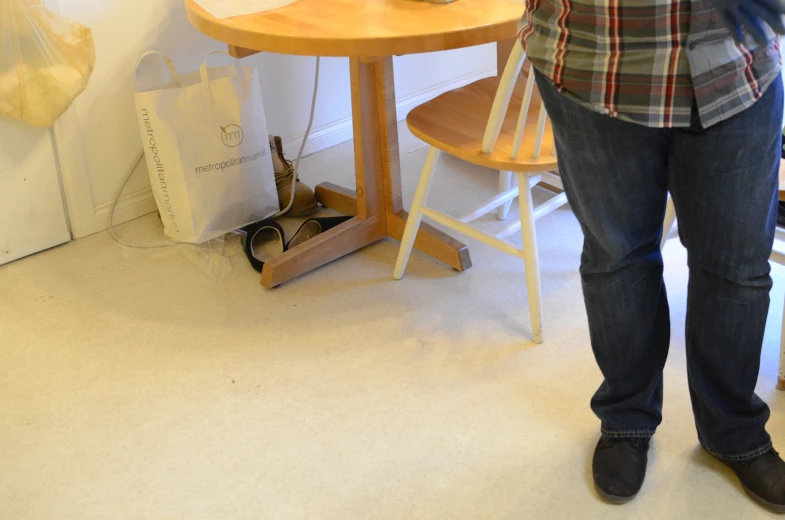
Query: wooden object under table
(369, 33)
(782, 181)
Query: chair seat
(455, 123)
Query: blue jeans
(723, 180)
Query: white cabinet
(32, 211)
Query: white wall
(123, 29)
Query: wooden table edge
(372, 46)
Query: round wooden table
(369, 33)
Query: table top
(364, 27)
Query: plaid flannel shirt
(647, 61)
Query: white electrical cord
(117, 239)
(171, 243)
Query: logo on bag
(232, 135)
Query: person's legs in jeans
(724, 183)
(615, 177)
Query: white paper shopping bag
(207, 150)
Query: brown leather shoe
(304, 198)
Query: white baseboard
(142, 203)
(129, 207)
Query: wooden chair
(491, 123)
(776, 256)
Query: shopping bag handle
(169, 65)
(204, 73)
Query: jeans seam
(627, 433)
(744, 456)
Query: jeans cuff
(742, 456)
(627, 434)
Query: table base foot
(323, 249)
(432, 242)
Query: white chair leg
(781, 373)
(670, 219)
(505, 183)
(531, 256)
(415, 215)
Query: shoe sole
(771, 506)
(613, 499)
(776, 508)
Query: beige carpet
(153, 386)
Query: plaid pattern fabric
(647, 61)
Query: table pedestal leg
(377, 202)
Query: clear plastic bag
(46, 61)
